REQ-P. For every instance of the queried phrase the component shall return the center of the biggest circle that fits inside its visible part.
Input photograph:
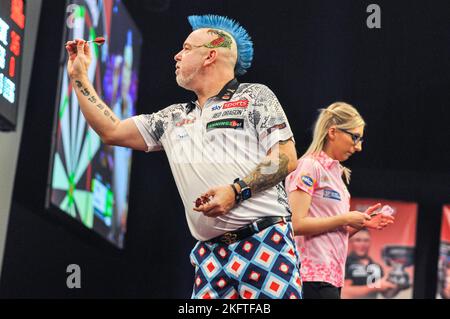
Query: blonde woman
(320, 201)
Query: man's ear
(211, 57)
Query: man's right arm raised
(99, 116)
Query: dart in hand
(98, 40)
(201, 201)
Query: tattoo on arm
(85, 92)
(258, 180)
(269, 172)
(94, 100)
(79, 85)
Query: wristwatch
(245, 192)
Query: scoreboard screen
(12, 26)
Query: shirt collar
(225, 94)
(326, 161)
(228, 90)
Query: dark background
(310, 53)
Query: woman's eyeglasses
(355, 137)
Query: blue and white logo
(216, 107)
(307, 181)
(330, 193)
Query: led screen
(89, 180)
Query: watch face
(246, 193)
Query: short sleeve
(153, 126)
(269, 119)
(304, 178)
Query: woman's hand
(378, 220)
(355, 219)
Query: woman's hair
(339, 114)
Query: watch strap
(237, 195)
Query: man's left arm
(275, 167)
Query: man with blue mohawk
(229, 151)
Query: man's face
(360, 243)
(190, 59)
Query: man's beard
(185, 81)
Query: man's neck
(210, 88)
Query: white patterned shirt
(212, 146)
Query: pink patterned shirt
(323, 256)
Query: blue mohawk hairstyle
(243, 41)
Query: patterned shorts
(265, 265)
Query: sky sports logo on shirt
(240, 103)
(228, 123)
(332, 194)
